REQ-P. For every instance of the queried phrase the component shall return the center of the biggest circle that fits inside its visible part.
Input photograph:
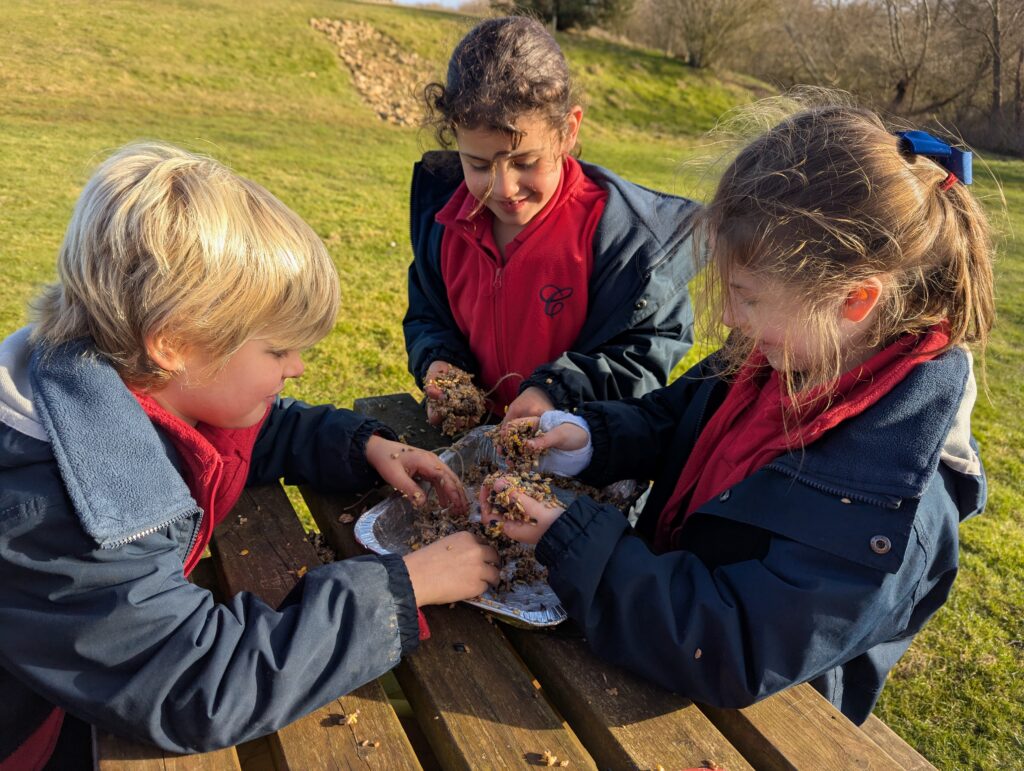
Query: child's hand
(540, 516)
(564, 436)
(400, 465)
(563, 445)
(532, 402)
(457, 567)
(437, 369)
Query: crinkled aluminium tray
(387, 528)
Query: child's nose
(728, 316)
(505, 183)
(295, 366)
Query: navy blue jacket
(639, 322)
(820, 567)
(96, 615)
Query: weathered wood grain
(473, 697)
(894, 745)
(261, 548)
(798, 729)
(623, 721)
(404, 416)
(114, 753)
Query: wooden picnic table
(489, 696)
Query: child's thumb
(562, 437)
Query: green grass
(232, 78)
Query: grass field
(233, 79)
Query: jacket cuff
(357, 449)
(572, 523)
(597, 470)
(405, 601)
(551, 384)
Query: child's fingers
(482, 497)
(448, 486)
(511, 425)
(520, 531)
(398, 478)
(565, 436)
(433, 393)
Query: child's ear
(862, 300)
(572, 127)
(163, 353)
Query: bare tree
(700, 31)
(990, 19)
(911, 23)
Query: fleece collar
(113, 463)
(925, 418)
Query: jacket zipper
(830, 490)
(150, 530)
(498, 326)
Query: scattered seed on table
(346, 519)
(243, 552)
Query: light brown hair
(828, 198)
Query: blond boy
(131, 415)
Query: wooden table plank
(406, 417)
(798, 729)
(895, 746)
(483, 707)
(623, 721)
(261, 548)
(474, 699)
(114, 753)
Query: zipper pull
(497, 278)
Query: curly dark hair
(501, 70)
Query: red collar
(215, 464)
(456, 213)
(750, 429)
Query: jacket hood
(114, 465)
(16, 408)
(923, 421)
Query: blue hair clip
(958, 162)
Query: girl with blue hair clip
(810, 476)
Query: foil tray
(388, 527)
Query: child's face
(760, 312)
(239, 394)
(526, 178)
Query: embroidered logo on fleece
(554, 298)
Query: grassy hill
(254, 85)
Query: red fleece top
(528, 307)
(216, 465)
(748, 431)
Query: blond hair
(826, 199)
(163, 242)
